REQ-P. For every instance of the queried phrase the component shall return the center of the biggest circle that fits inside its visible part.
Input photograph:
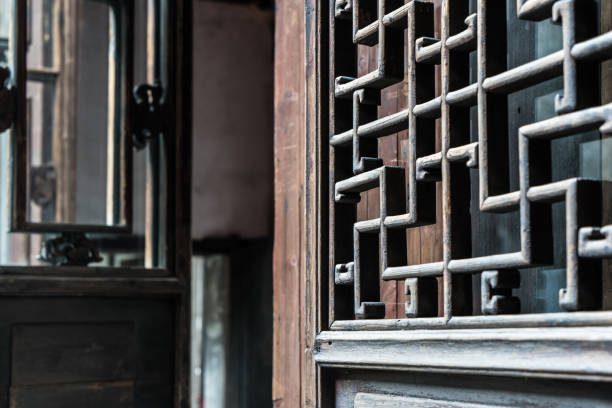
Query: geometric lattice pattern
(361, 252)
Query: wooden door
(95, 242)
(457, 204)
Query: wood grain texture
(385, 388)
(316, 259)
(289, 170)
(367, 400)
(79, 345)
(119, 394)
(527, 352)
(68, 353)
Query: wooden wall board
(289, 179)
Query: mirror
(72, 166)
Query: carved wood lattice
(363, 252)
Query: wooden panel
(365, 388)
(91, 395)
(368, 400)
(55, 341)
(289, 170)
(65, 353)
(509, 352)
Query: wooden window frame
(172, 282)
(159, 211)
(578, 348)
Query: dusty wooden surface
(289, 141)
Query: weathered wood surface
(513, 77)
(75, 349)
(422, 248)
(392, 389)
(525, 352)
(289, 171)
(367, 400)
(424, 244)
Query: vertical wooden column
(289, 178)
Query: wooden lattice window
(467, 158)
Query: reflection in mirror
(71, 123)
(5, 28)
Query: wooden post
(289, 130)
